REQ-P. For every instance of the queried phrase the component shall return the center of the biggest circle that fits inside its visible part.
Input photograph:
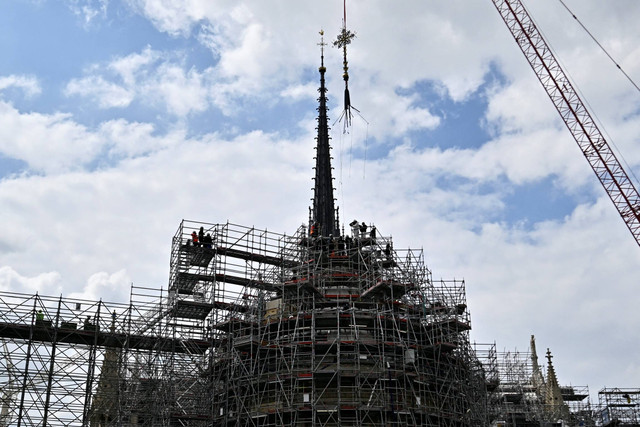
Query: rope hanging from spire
(344, 39)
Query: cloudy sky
(119, 118)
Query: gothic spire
(324, 212)
(554, 398)
(537, 377)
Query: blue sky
(118, 118)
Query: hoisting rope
(619, 153)
(601, 47)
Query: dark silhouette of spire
(324, 212)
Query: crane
(576, 117)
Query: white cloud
(11, 280)
(130, 67)
(55, 143)
(136, 139)
(149, 77)
(88, 10)
(300, 91)
(178, 17)
(107, 94)
(182, 92)
(28, 84)
(49, 143)
(105, 286)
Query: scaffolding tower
(324, 331)
(525, 397)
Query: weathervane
(344, 38)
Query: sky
(120, 118)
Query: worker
(194, 238)
(387, 250)
(314, 229)
(372, 234)
(201, 235)
(39, 316)
(355, 228)
(87, 324)
(363, 228)
(207, 241)
(347, 243)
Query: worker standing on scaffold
(355, 228)
(39, 317)
(363, 229)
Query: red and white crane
(590, 139)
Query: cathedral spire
(324, 212)
(537, 377)
(554, 400)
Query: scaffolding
(254, 328)
(524, 396)
(257, 328)
(618, 407)
(322, 331)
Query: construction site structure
(525, 396)
(258, 329)
(314, 328)
(619, 406)
(255, 361)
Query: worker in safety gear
(194, 238)
(355, 228)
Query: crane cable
(593, 113)
(599, 45)
(628, 167)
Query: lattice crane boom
(590, 139)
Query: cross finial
(344, 38)
(322, 44)
(341, 42)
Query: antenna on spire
(344, 38)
